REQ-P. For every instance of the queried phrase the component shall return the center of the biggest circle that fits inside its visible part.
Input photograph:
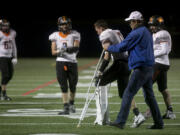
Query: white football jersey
(8, 44)
(162, 46)
(67, 41)
(115, 37)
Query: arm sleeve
(14, 51)
(76, 36)
(127, 44)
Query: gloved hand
(61, 51)
(14, 61)
(98, 77)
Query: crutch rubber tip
(78, 126)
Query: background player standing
(65, 45)
(162, 47)
(8, 56)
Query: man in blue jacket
(139, 45)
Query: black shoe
(156, 127)
(6, 98)
(65, 112)
(116, 125)
(169, 115)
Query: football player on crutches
(117, 71)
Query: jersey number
(7, 45)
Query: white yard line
(79, 95)
(78, 103)
(51, 88)
(34, 124)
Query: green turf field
(36, 102)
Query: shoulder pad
(53, 36)
(105, 35)
(163, 35)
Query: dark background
(35, 21)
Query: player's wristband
(72, 49)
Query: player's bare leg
(167, 99)
(66, 104)
(4, 94)
(71, 102)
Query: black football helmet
(64, 24)
(156, 23)
(4, 25)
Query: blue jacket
(139, 44)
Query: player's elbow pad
(104, 65)
(72, 50)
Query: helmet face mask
(5, 26)
(64, 24)
(154, 29)
(156, 23)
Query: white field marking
(29, 81)
(59, 95)
(53, 134)
(41, 112)
(33, 76)
(87, 71)
(88, 77)
(35, 124)
(79, 95)
(93, 67)
(78, 103)
(26, 84)
(50, 88)
(88, 84)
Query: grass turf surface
(32, 74)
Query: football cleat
(116, 125)
(156, 127)
(138, 120)
(169, 115)
(72, 108)
(6, 98)
(64, 112)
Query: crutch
(83, 113)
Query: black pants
(160, 76)
(6, 68)
(117, 71)
(67, 72)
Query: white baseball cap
(135, 15)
